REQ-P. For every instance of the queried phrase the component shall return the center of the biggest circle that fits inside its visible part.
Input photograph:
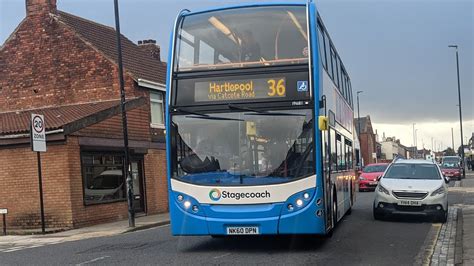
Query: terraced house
(65, 67)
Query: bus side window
(322, 49)
(349, 162)
(332, 150)
(340, 153)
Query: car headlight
(440, 190)
(361, 178)
(384, 190)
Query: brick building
(367, 139)
(65, 67)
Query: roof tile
(55, 117)
(135, 60)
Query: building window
(103, 179)
(157, 108)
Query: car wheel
(443, 217)
(377, 216)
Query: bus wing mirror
(323, 123)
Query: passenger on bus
(250, 48)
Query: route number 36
(276, 88)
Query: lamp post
(414, 141)
(126, 164)
(460, 110)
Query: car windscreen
(449, 165)
(374, 168)
(413, 171)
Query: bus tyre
(349, 212)
(334, 212)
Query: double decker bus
(259, 123)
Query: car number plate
(373, 183)
(409, 203)
(242, 230)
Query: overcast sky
(394, 50)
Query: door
(138, 188)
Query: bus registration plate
(409, 203)
(242, 230)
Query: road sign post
(38, 144)
(4, 214)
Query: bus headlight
(299, 202)
(187, 204)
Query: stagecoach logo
(214, 194)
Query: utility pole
(452, 139)
(414, 145)
(126, 164)
(460, 110)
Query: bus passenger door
(326, 151)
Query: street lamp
(460, 109)
(126, 163)
(414, 141)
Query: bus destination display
(243, 89)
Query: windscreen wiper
(260, 112)
(198, 115)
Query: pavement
(468, 219)
(11, 243)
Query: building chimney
(151, 48)
(37, 7)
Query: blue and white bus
(259, 127)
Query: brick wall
(44, 63)
(19, 191)
(367, 147)
(156, 182)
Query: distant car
(412, 187)
(368, 178)
(451, 170)
(452, 166)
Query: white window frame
(162, 102)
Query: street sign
(3, 211)
(38, 136)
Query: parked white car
(412, 187)
(106, 186)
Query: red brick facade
(368, 143)
(45, 63)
